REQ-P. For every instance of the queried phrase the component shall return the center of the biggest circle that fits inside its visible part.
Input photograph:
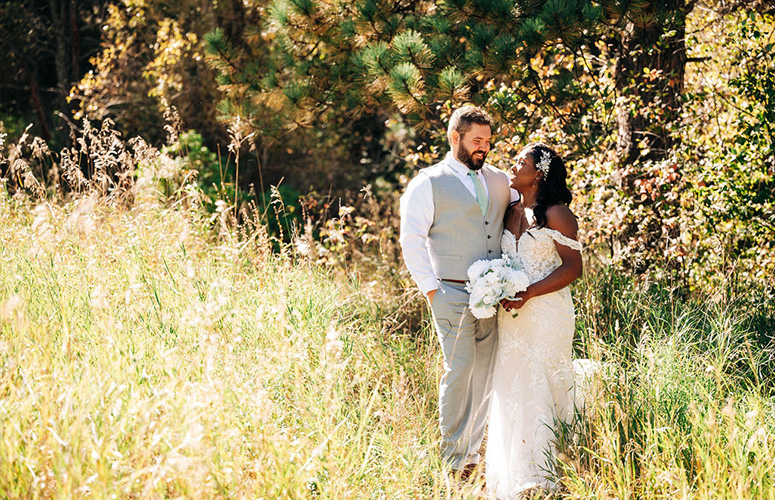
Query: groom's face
(474, 145)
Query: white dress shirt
(417, 212)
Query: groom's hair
(462, 119)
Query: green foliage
(193, 158)
(376, 57)
(280, 211)
(452, 83)
(152, 58)
(733, 189)
(13, 126)
(701, 214)
(409, 58)
(756, 84)
(342, 94)
(410, 46)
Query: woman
(533, 376)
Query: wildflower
(333, 344)
(98, 298)
(10, 306)
(303, 247)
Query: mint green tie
(481, 196)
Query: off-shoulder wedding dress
(533, 379)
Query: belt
(454, 281)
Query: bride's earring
(535, 182)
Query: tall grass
(142, 358)
(150, 349)
(682, 406)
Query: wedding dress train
(533, 379)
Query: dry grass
(150, 349)
(140, 357)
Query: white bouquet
(490, 281)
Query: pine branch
(223, 50)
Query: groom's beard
(474, 160)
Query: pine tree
(341, 60)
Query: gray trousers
(469, 347)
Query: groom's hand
(430, 296)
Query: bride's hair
(554, 188)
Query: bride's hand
(510, 305)
(517, 303)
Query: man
(451, 216)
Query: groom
(451, 216)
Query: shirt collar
(456, 165)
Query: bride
(533, 379)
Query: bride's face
(523, 173)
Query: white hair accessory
(543, 165)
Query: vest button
(485, 223)
(489, 251)
(488, 236)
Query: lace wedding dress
(533, 379)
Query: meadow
(194, 319)
(153, 348)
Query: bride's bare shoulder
(560, 218)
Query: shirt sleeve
(417, 212)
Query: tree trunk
(60, 20)
(231, 15)
(37, 102)
(649, 80)
(75, 43)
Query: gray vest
(460, 234)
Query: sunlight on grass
(142, 356)
(139, 359)
(682, 409)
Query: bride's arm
(559, 218)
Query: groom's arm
(417, 212)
